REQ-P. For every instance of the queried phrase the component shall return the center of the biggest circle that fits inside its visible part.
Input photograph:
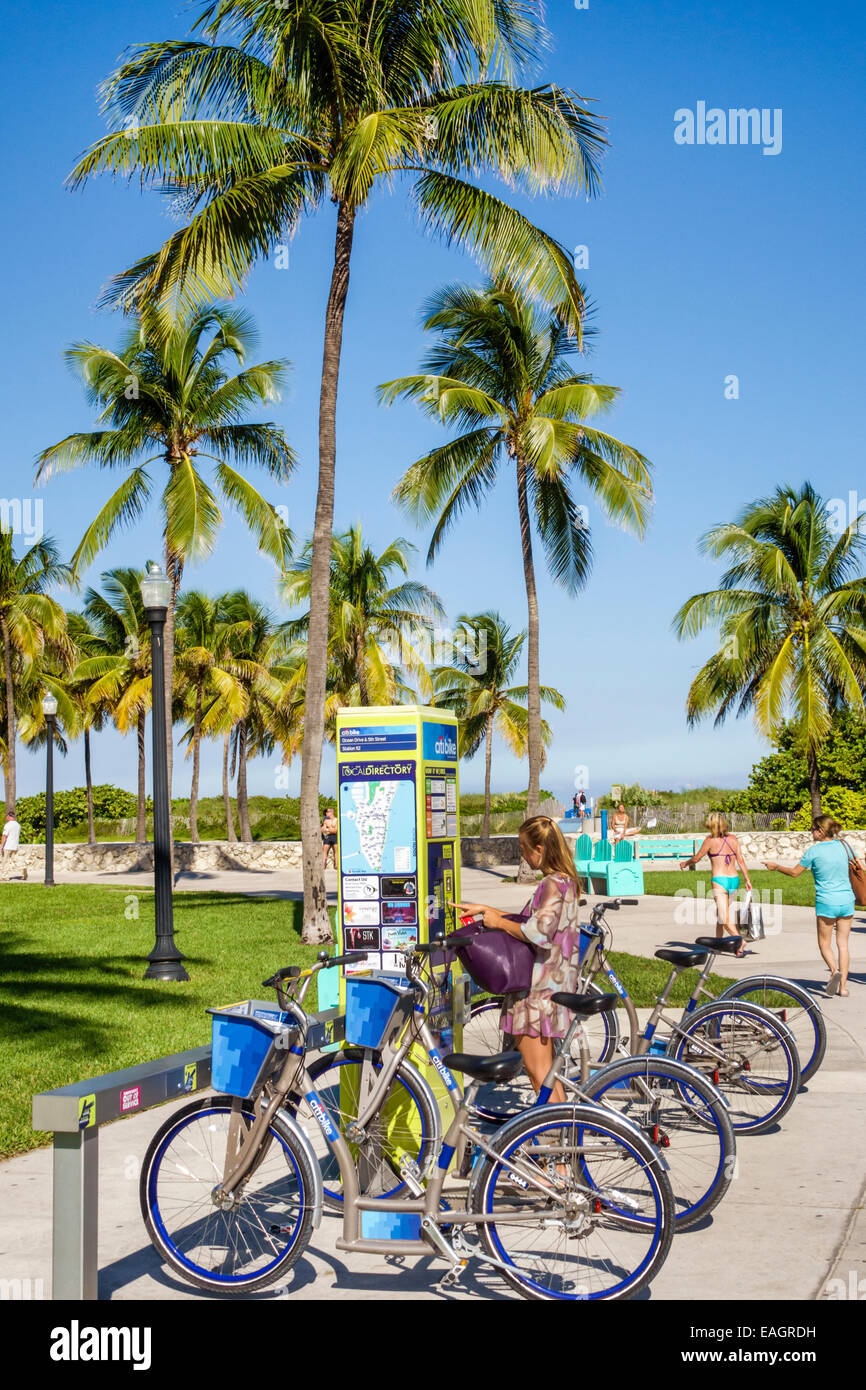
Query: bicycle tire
(167, 1183)
(404, 1095)
(811, 1039)
(705, 1108)
(685, 1046)
(599, 1210)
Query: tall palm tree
(202, 668)
(32, 625)
(257, 646)
(173, 400)
(791, 615)
(476, 686)
(336, 99)
(117, 671)
(93, 711)
(370, 623)
(501, 370)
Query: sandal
(832, 985)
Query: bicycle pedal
(452, 1278)
(411, 1175)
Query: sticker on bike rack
(190, 1076)
(86, 1112)
(130, 1099)
(322, 1117)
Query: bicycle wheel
(600, 1231)
(482, 1036)
(267, 1227)
(606, 1034)
(795, 1007)
(683, 1115)
(758, 1071)
(406, 1125)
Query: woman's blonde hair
(826, 826)
(540, 832)
(717, 824)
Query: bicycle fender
(423, 1084)
(289, 1120)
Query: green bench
(668, 849)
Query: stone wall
(126, 858)
(476, 853)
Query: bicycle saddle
(727, 945)
(683, 959)
(503, 1067)
(586, 1003)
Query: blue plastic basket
(370, 1007)
(587, 938)
(243, 1045)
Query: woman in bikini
(619, 824)
(725, 856)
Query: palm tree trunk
(193, 791)
(814, 781)
(488, 760)
(141, 823)
(88, 782)
(317, 925)
(174, 570)
(361, 667)
(230, 820)
(533, 681)
(9, 765)
(243, 804)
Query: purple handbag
(497, 961)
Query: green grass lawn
(74, 1003)
(796, 892)
(73, 1000)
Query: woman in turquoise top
(828, 859)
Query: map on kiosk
(377, 820)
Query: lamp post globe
(165, 959)
(49, 710)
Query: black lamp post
(165, 959)
(49, 709)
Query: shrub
(846, 806)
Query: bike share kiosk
(399, 844)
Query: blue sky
(704, 262)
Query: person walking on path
(828, 860)
(329, 836)
(549, 922)
(9, 845)
(724, 853)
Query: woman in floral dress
(549, 923)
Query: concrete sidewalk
(791, 1225)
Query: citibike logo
(321, 1115)
(442, 1070)
(440, 741)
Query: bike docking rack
(74, 1115)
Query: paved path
(792, 1226)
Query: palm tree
(203, 676)
(501, 371)
(172, 399)
(92, 711)
(791, 615)
(117, 671)
(476, 686)
(369, 621)
(257, 649)
(32, 625)
(335, 99)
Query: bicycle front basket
(371, 1006)
(246, 1039)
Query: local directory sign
(398, 843)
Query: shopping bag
(750, 919)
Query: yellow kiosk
(399, 841)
